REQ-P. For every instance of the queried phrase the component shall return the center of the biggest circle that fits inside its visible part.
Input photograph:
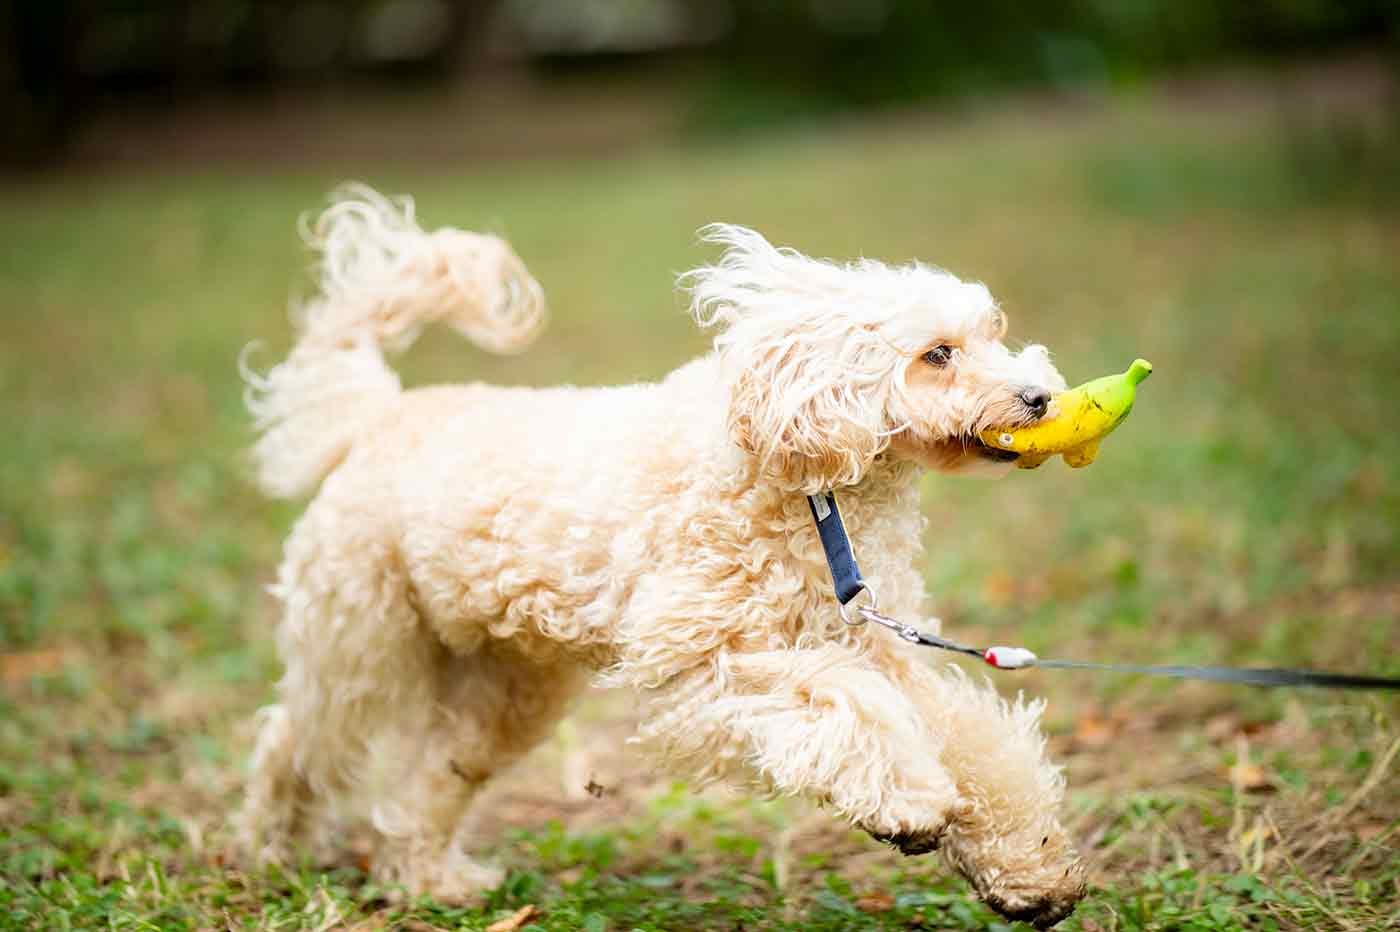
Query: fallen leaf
(361, 853)
(515, 920)
(1096, 731)
(1250, 778)
(1220, 727)
(999, 588)
(878, 902)
(1258, 833)
(16, 668)
(377, 924)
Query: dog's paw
(1023, 890)
(914, 830)
(910, 843)
(913, 836)
(1041, 907)
(450, 877)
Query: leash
(846, 578)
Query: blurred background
(123, 80)
(1215, 187)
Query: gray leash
(846, 578)
(1019, 658)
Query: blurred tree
(62, 55)
(38, 79)
(769, 58)
(858, 52)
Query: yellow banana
(1081, 417)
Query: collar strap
(840, 559)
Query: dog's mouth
(949, 454)
(995, 454)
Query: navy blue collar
(840, 559)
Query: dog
(475, 556)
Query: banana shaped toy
(1083, 417)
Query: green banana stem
(1139, 370)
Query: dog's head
(831, 365)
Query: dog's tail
(380, 279)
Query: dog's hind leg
(273, 819)
(492, 707)
(359, 670)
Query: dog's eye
(939, 356)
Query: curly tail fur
(381, 278)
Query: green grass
(1247, 513)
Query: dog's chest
(785, 584)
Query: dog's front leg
(826, 723)
(1007, 839)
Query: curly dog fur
(475, 556)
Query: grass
(1248, 513)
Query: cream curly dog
(475, 556)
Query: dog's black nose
(1037, 399)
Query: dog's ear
(789, 409)
(808, 382)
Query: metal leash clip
(872, 612)
(872, 608)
